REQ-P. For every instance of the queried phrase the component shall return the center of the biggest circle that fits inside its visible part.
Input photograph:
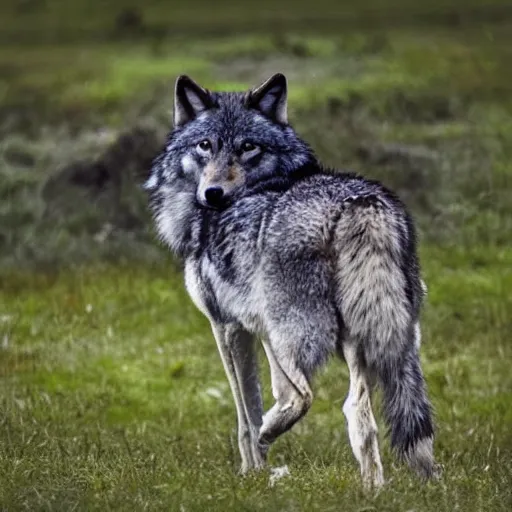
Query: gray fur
(312, 260)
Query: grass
(117, 399)
(112, 395)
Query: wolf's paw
(437, 471)
(374, 480)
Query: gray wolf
(314, 261)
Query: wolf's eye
(247, 147)
(205, 146)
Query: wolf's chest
(220, 300)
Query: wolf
(313, 261)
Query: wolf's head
(225, 144)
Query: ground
(112, 395)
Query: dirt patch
(104, 185)
(72, 198)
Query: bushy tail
(379, 294)
(408, 411)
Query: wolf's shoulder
(339, 186)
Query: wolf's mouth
(216, 208)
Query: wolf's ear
(271, 98)
(190, 99)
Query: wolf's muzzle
(214, 196)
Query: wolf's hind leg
(303, 329)
(237, 351)
(362, 428)
(292, 393)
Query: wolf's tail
(407, 410)
(379, 297)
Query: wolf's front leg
(237, 351)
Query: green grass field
(112, 395)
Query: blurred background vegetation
(417, 95)
(103, 359)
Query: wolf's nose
(214, 195)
